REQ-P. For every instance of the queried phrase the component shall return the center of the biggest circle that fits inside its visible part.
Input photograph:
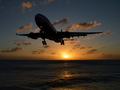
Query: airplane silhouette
(49, 32)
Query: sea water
(60, 75)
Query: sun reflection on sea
(66, 77)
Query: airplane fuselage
(47, 28)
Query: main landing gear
(62, 42)
(44, 42)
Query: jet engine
(32, 35)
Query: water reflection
(60, 75)
(65, 78)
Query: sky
(18, 16)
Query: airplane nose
(37, 17)
(40, 19)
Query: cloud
(88, 38)
(27, 5)
(38, 51)
(24, 43)
(29, 25)
(42, 50)
(71, 41)
(36, 30)
(21, 39)
(13, 49)
(48, 1)
(46, 46)
(105, 34)
(83, 26)
(89, 47)
(76, 46)
(101, 34)
(53, 53)
(63, 21)
(82, 48)
(91, 51)
(106, 55)
(23, 28)
(33, 3)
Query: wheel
(44, 42)
(62, 42)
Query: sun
(64, 55)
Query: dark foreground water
(60, 75)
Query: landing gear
(62, 42)
(44, 42)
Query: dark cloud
(103, 47)
(42, 50)
(71, 43)
(76, 46)
(91, 51)
(38, 51)
(82, 47)
(24, 43)
(63, 21)
(53, 53)
(83, 26)
(89, 47)
(13, 49)
(23, 28)
(46, 46)
(107, 55)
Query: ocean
(60, 75)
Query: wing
(33, 35)
(82, 33)
(73, 34)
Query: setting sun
(64, 55)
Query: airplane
(47, 31)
